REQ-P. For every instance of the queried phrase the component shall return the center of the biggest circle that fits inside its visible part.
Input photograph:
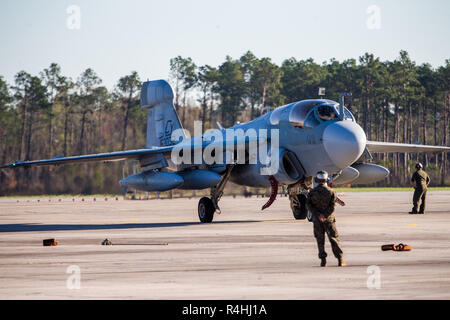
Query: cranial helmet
(419, 165)
(322, 176)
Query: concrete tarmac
(161, 251)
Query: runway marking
(280, 221)
(141, 244)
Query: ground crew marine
(420, 181)
(321, 203)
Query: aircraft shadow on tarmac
(34, 227)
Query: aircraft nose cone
(344, 142)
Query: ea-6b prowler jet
(301, 138)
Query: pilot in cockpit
(326, 112)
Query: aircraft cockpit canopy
(348, 115)
(311, 113)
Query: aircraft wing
(390, 147)
(132, 154)
(110, 156)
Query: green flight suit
(421, 180)
(322, 200)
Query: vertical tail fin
(162, 119)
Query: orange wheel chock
(49, 242)
(394, 247)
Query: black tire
(300, 211)
(206, 210)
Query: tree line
(50, 114)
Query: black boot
(323, 262)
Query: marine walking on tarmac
(321, 203)
(420, 181)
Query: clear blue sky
(118, 36)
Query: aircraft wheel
(299, 207)
(299, 215)
(206, 210)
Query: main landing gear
(208, 206)
(206, 210)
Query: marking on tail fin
(162, 119)
(166, 139)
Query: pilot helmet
(419, 165)
(322, 176)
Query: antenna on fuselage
(341, 103)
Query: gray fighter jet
(284, 147)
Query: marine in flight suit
(420, 181)
(321, 203)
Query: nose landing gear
(298, 194)
(298, 206)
